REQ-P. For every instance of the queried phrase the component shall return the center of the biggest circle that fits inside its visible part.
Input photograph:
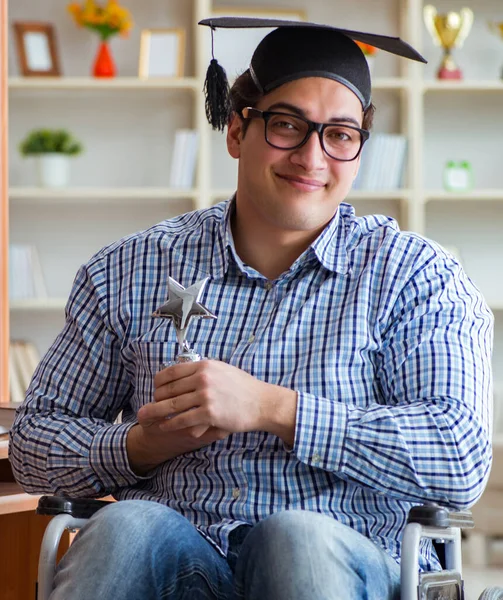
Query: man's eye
(342, 135)
(284, 124)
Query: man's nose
(311, 155)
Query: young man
(349, 376)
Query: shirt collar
(223, 241)
(329, 247)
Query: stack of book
(183, 164)
(383, 163)
(23, 360)
(26, 279)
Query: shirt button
(316, 458)
(268, 285)
(235, 493)
(251, 339)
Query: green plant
(44, 141)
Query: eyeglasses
(287, 132)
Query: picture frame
(162, 53)
(36, 49)
(233, 48)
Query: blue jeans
(138, 550)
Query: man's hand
(147, 446)
(198, 396)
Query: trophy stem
(448, 68)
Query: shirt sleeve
(427, 437)
(64, 439)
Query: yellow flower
(107, 19)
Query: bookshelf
(116, 190)
(436, 116)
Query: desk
(21, 532)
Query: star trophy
(182, 306)
(449, 30)
(497, 28)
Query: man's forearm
(145, 451)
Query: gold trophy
(497, 28)
(448, 30)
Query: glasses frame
(255, 113)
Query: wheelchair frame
(428, 521)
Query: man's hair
(244, 93)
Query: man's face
(294, 190)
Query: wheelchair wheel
(492, 593)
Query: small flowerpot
(54, 170)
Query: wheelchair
(427, 521)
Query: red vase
(104, 65)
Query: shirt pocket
(148, 360)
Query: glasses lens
(342, 142)
(286, 131)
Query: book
(184, 160)
(26, 279)
(383, 163)
(23, 360)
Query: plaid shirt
(381, 333)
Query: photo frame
(162, 53)
(36, 49)
(233, 48)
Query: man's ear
(235, 135)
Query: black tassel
(217, 92)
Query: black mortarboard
(294, 50)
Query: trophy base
(184, 357)
(445, 73)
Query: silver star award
(182, 306)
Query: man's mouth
(302, 183)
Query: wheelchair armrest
(432, 515)
(80, 508)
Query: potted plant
(106, 20)
(53, 149)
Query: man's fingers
(155, 411)
(184, 420)
(174, 389)
(174, 373)
(198, 430)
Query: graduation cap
(294, 50)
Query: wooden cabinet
(21, 532)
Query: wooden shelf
(42, 304)
(401, 194)
(159, 83)
(91, 83)
(14, 500)
(466, 86)
(99, 194)
(472, 195)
